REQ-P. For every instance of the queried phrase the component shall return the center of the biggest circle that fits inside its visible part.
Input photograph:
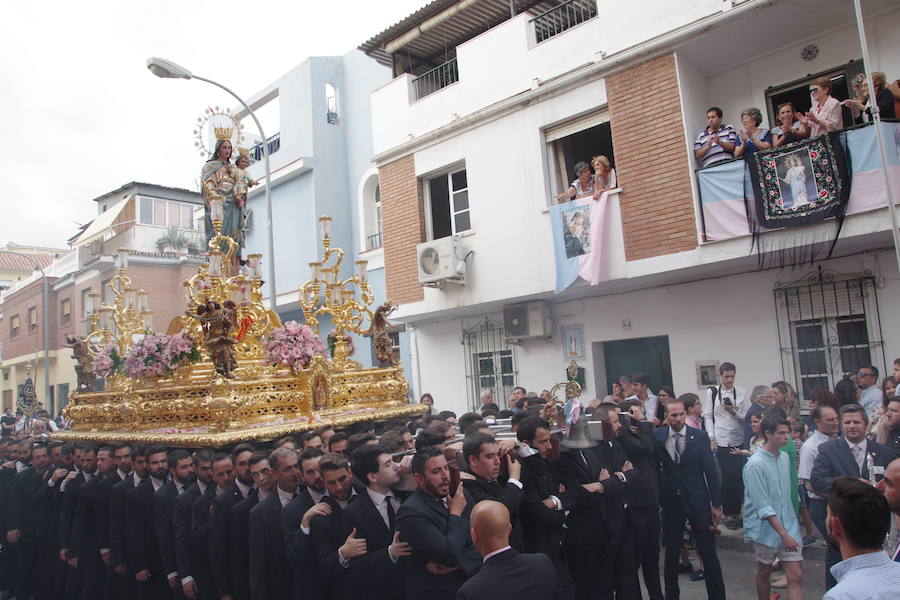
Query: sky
(82, 116)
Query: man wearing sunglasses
(870, 395)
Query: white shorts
(767, 554)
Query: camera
(625, 420)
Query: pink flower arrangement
(107, 362)
(158, 355)
(292, 345)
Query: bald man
(506, 574)
(890, 486)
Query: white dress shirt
(724, 428)
(808, 453)
(284, 496)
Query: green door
(648, 355)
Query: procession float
(228, 370)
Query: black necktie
(390, 512)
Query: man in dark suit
(71, 489)
(544, 505)
(295, 523)
(141, 546)
(588, 531)
(21, 518)
(332, 547)
(223, 478)
(124, 585)
(689, 490)
(848, 456)
(182, 475)
(185, 557)
(46, 505)
(270, 576)
(506, 573)
(436, 526)
(122, 458)
(642, 494)
(84, 547)
(239, 529)
(376, 574)
(220, 519)
(482, 455)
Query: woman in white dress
(796, 178)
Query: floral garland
(332, 342)
(158, 355)
(108, 362)
(292, 345)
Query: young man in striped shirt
(715, 143)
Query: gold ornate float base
(197, 408)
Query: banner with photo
(801, 183)
(577, 240)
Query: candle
(123, 258)
(131, 298)
(253, 266)
(362, 270)
(216, 210)
(215, 264)
(326, 226)
(143, 300)
(147, 320)
(316, 268)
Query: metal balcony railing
(563, 17)
(373, 241)
(274, 142)
(437, 78)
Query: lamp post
(169, 70)
(45, 293)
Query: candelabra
(128, 315)
(327, 293)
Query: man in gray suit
(849, 456)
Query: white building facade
(480, 128)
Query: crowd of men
(437, 507)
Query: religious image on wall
(576, 228)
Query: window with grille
(490, 363)
(828, 328)
(65, 311)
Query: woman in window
(752, 137)
(789, 130)
(825, 114)
(861, 106)
(604, 176)
(581, 187)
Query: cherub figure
(384, 348)
(217, 322)
(84, 367)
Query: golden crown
(243, 151)
(223, 133)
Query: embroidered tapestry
(801, 183)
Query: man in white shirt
(826, 419)
(640, 388)
(724, 410)
(870, 394)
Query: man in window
(715, 143)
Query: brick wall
(651, 160)
(403, 223)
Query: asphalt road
(739, 570)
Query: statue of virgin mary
(218, 179)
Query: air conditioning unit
(528, 320)
(441, 260)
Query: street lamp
(46, 317)
(169, 70)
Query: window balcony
(274, 142)
(436, 79)
(560, 18)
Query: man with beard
(220, 519)
(435, 523)
(84, 548)
(239, 528)
(295, 522)
(189, 558)
(141, 544)
(21, 518)
(124, 585)
(376, 574)
(858, 520)
(890, 487)
(181, 469)
(849, 456)
(545, 501)
(270, 575)
(223, 479)
(332, 547)
(482, 455)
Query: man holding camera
(724, 410)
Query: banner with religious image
(577, 240)
(801, 183)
